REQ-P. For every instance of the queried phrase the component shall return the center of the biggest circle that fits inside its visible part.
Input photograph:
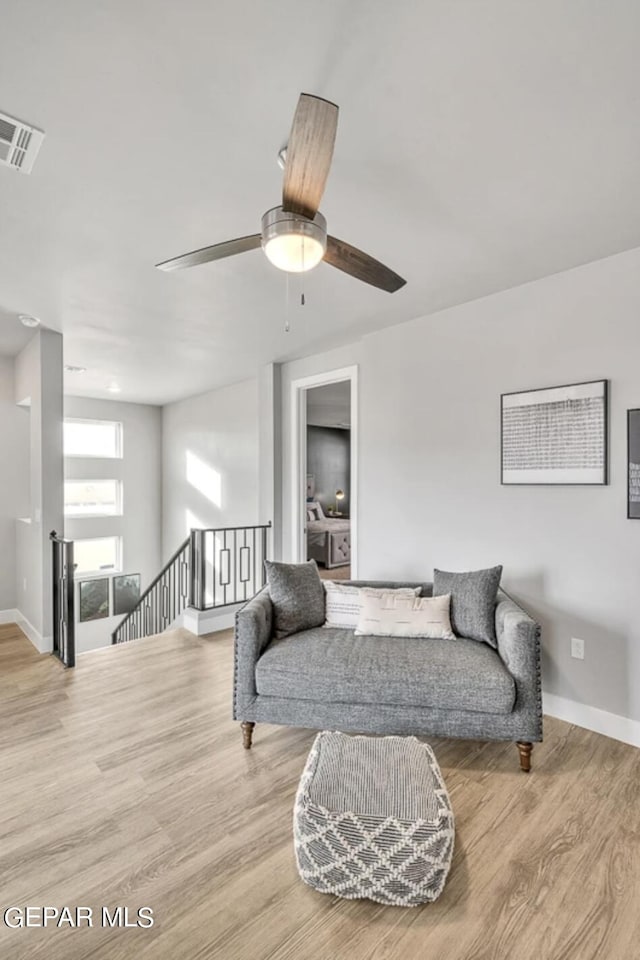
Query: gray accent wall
(329, 461)
(429, 464)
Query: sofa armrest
(518, 637)
(254, 628)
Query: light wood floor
(123, 782)
(335, 573)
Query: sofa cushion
(334, 666)
(473, 601)
(297, 596)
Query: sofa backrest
(426, 589)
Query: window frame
(111, 571)
(119, 454)
(119, 510)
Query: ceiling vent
(19, 144)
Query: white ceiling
(480, 144)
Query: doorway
(324, 522)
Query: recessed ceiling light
(28, 321)
(71, 368)
(113, 388)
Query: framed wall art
(126, 593)
(94, 599)
(556, 435)
(633, 464)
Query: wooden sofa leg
(247, 733)
(524, 749)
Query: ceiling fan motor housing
(292, 241)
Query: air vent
(19, 144)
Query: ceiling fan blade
(361, 266)
(309, 154)
(217, 252)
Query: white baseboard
(201, 622)
(592, 718)
(39, 642)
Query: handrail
(169, 563)
(213, 567)
(64, 621)
(252, 526)
(163, 600)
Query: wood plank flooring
(124, 783)
(335, 573)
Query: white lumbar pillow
(393, 616)
(344, 602)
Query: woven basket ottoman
(373, 820)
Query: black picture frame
(93, 599)
(633, 464)
(126, 593)
(534, 440)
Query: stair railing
(64, 621)
(216, 567)
(227, 565)
(161, 603)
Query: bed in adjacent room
(328, 538)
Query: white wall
(270, 454)
(210, 446)
(14, 488)
(38, 386)
(429, 464)
(140, 472)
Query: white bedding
(317, 530)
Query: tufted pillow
(297, 596)
(473, 601)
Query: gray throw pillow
(473, 601)
(297, 596)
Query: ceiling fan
(294, 235)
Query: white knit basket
(373, 819)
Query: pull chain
(287, 324)
(286, 305)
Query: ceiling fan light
(294, 253)
(292, 242)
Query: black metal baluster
(234, 582)
(203, 569)
(244, 583)
(70, 607)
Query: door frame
(299, 390)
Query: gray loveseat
(332, 679)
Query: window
(93, 438)
(99, 555)
(92, 498)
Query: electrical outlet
(577, 648)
